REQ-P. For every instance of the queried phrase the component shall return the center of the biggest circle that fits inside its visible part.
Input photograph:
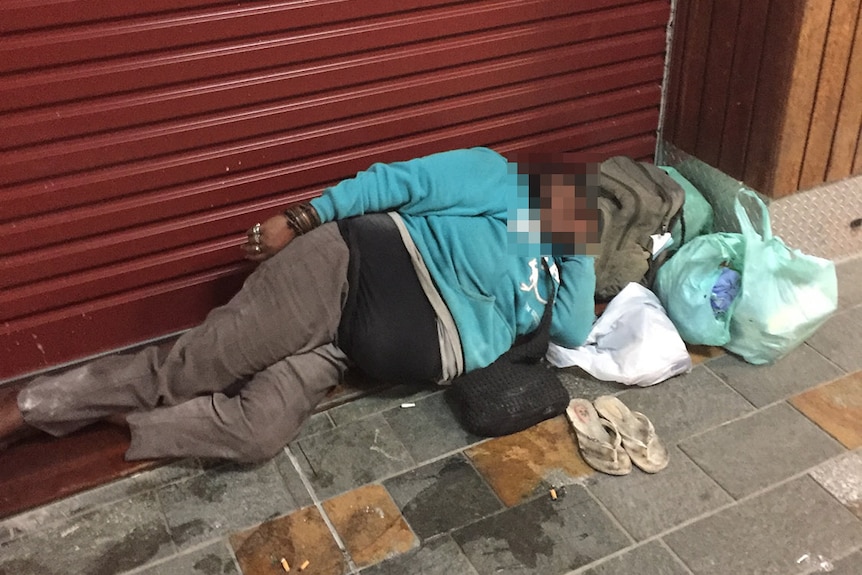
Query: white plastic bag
(633, 342)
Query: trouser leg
(290, 305)
(252, 425)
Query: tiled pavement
(765, 477)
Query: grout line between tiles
(232, 555)
(317, 503)
(755, 411)
(676, 557)
(192, 549)
(608, 512)
(740, 501)
(164, 517)
(727, 385)
(833, 496)
(660, 536)
(829, 360)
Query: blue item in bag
(725, 290)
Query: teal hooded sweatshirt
(455, 205)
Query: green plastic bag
(684, 284)
(697, 215)
(785, 297)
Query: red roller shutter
(139, 140)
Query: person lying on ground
(413, 271)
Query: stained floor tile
(214, 559)
(108, 540)
(755, 452)
(224, 499)
(370, 525)
(351, 456)
(524, 464)
(441, 496)
(440, 556)
(650, 558)
(542, 536)
(838, 339)
(801, 369)
(768, 533)
(842, 477)
(301, 536)
(837, 408)
(647, 504)
(429, 429)
(687, 404)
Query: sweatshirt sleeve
(458, 183)
(574, 307)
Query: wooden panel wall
(769, 91)
(139, 139)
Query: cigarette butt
(304, 565)
(284, 564)
(553, 494)
(408, 405)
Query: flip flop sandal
(599, 441)
(639, 438)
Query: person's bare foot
(12, 425)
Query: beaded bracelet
(302, 218)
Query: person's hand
(266, 238)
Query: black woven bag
(515, 392)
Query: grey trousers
(238, 386)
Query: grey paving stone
(442, 496)
(768, 533)
(138, 483)
(429, 429)
(352, 455)
(850, 565)
(62, 509)
(849, 283)
(108, 540)
(224, 499)
(34, 520)
(378, 401)
(542, 536)
(317, 423)
(687, 404)
(213, 559)
(842, 477)
(440, 556)
(292, 481)
(651, 558)
(838, 339)
(646, 504)
(800, 370)
(750, 454)
(581, 384)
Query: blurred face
(565, 213)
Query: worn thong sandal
(598, 440)
(638, 434)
